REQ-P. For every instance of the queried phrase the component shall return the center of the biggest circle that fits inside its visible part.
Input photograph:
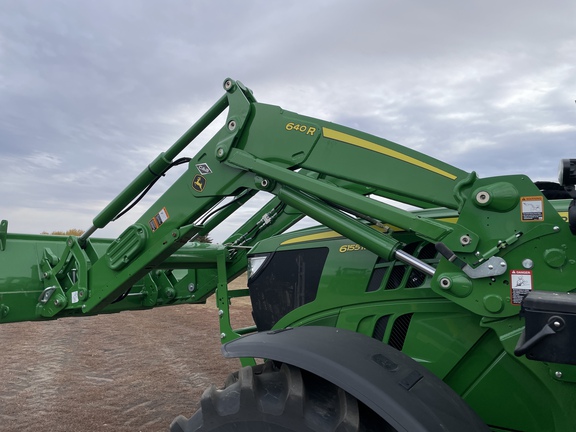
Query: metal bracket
(494, 266)
(46, 294)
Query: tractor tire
(272, 398)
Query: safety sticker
(532, 208)
(203, 168)
(198, 183)
(520, 285)
(159, 219)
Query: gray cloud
(92, 91)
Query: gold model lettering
(308, 130)
(351, 248)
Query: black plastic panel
(289, 280)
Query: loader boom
(484, 270)
(309, 164)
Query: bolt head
(445, 283)
(558, 374)
(482, 197)
(527, 263)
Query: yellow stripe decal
(327, 235)
(312, 237)
(359, 142)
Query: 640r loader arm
(504, 249)
(314, 168)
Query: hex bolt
(191, 287)
(222, 335)
(490, 267)
(556, 228)
(558, 374)
(220, 312)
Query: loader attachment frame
(239, 161)
(466, 259)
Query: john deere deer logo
(198, 183)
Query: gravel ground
(132, 371)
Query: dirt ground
(132, 371)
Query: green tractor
(457, 316)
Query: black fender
(393, 385)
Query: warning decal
(532, 208)
(159, 219)
(520, 285)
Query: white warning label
(520, 285)
(159, 219)
(532, 209)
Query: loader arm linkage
(467, 297)
(312, 167)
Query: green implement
(456, 315)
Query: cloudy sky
(91, 92)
